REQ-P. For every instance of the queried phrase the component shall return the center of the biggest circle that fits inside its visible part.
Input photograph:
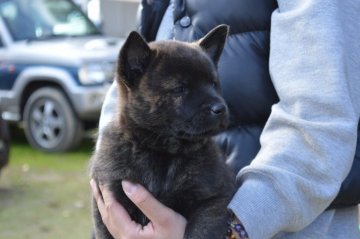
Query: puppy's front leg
(209, 221)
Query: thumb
(157, 213)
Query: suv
(55, 69)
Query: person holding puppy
(294, 96)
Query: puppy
(169, 107)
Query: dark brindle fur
(169, 107)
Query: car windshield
(43, 19)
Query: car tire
(50, 122)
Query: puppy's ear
(213, 42)
(133, 60)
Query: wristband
(235, 229)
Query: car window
(42, 19)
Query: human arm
(308, 144)
(108, 110)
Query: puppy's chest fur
(182, 179)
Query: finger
(117, 216)
(97, 195)
(157, 213)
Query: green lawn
(45, 196)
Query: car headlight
(96, 73)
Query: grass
(45, 196)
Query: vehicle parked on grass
(55, 68)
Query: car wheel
(50, 122)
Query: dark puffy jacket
(243, 70)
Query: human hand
(164, 222)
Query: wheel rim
(47, 123)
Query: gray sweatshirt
(308, 144)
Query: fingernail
(129, 188)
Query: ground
(45, 196)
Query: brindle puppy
(170, 105)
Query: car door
(7, 69)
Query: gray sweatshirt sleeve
(108, 110)
(308, 144)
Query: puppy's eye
(215, 84)
(180, 90)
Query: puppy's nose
(218, 109)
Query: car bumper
(87, 101)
